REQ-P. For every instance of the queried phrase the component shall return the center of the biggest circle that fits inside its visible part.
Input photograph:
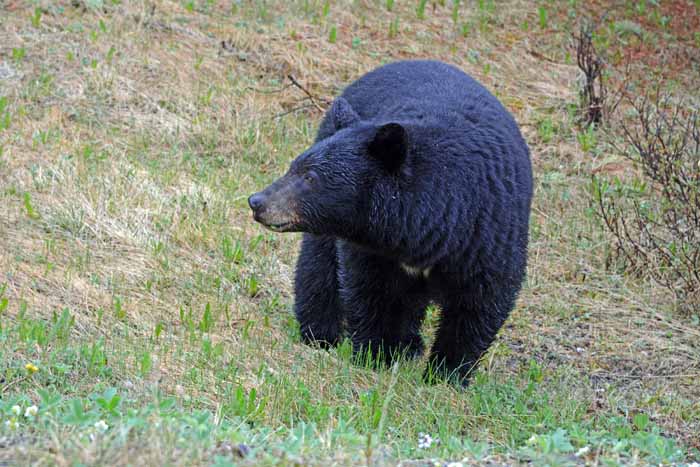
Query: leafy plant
(455, 11)
(542, 13)
(394, 27)
(29, 207)
(545, 129)
(420, 10)
(36, 17)
(18, 53)
(587, 138)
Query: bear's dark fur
(417, 190)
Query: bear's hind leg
(316, 304)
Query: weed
(5, 117)
(542, 15)
(420, 10)
(545, 129)
(29, 207)
(18, 53)
(455, 11)
(587, 138)
(36, 18)
(394, 28)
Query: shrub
(593, 91)
(654, 218)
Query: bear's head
(328, 188)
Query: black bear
(416, 190)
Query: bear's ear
(342, 114)
(389, 145)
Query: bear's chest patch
(413, 271)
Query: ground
(157, 314)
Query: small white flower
(532, 440)
(455, 464)
(31, 411)
(101, 426)
(16, 410)
(12, 423)
(583, 451)
(425, 441)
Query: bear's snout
(274, 207)
(256, 201)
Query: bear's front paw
(384, 354)
(439, 372)
(411, 347)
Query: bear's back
(430, 91)
(423, 89)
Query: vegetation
(655, 218)
(146, 320)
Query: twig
(269, 91)
(628, 376)
(305, 91)
(12, 383)
(541, 56)
(301, 107)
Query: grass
(158, 315)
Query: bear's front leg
(385, 306)
(471, 318)
(316, 304)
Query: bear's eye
(311, 177)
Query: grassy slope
(132, 276)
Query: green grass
(159, 315)
(315, 406)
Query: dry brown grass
(214, 86)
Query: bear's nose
(256, 201)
